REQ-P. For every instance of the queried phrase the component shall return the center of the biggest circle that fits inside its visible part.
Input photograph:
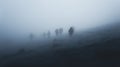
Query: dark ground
(100, 53)
(106, 54)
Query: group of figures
(58, 32)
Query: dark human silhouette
(60, 31)
(71, 31)
(57, 32)
(48, 34)
(31, 36)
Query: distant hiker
(31, 36)
(71, 31)
(56, 32)
(60, 31)
(48, 34)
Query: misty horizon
(20, 18)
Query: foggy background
(95, 32)
(19, 18)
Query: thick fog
(19, 18)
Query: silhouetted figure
(71, 31)
(57, 32)
(48, 34)
(60, 31)
(31, 36)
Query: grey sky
(20, 17)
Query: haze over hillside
(86, 37)
(59, 33)
(20, 18)
(89, 48)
